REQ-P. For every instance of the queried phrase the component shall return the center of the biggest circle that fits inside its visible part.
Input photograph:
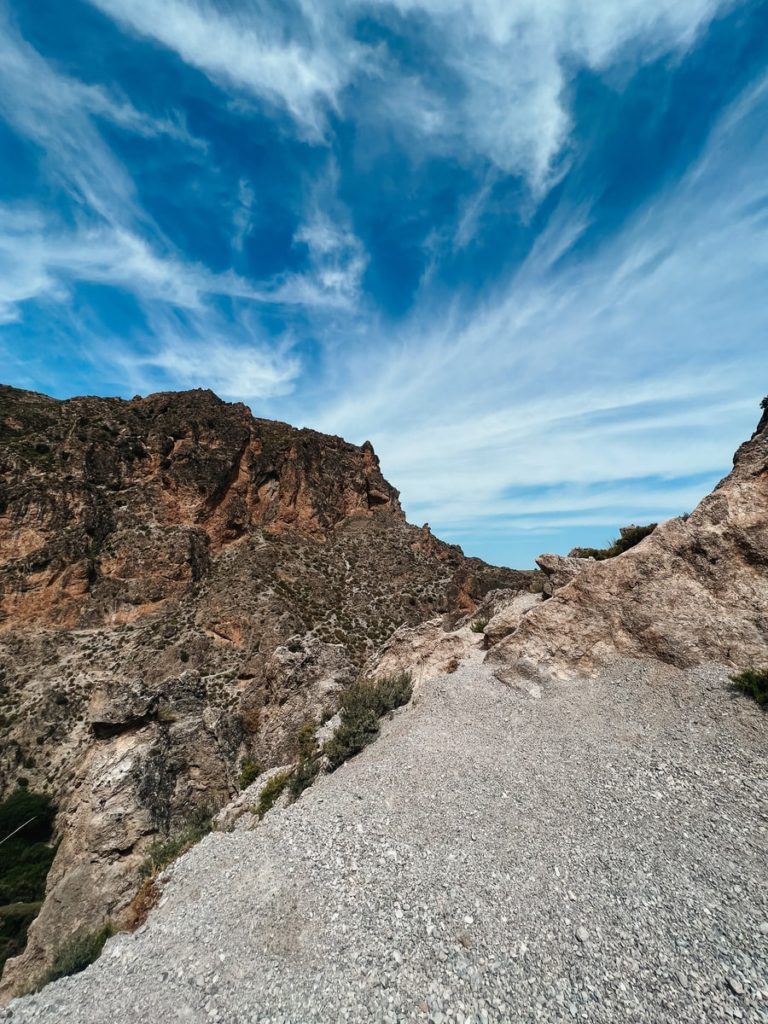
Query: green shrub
(304, 775)
(272, 790)
(308, 767)
(362, 705)
(393, 691)
(165, 851)
(29, 815)
(250, 770)
(478, 625)
(23, 871)
(15, 920)
(630, 536)
(307, 742)
(753, 682)
(77, 953)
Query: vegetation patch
(26, 855)
(362, 705)
(478, 625)
(272, 790)
(754, 683)
(77, 953)
(630, 536)
(250, 770)
(308, 767)
(165, 851)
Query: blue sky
(521, 247)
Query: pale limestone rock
(509, 616)
(154, 758)
(239, 812)
(561, 569)
(426, 651)
(695, 590)
(300, 683)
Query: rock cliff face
(695, 590)
(182, 587)
(108, 507)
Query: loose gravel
(581, 851)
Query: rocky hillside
(694, 590)
(182, 587)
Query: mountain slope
(594, 853)
(182, 587)
(695, 590)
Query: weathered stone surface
(559, 570)
(695, 590)
(155, 756)
(239, 813)
(182, 586)
(107, 506)
(508, 616)
(301, 683)
(426, 651)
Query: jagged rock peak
(694, 590)
(89, 485)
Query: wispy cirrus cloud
(113, 240)
(410, 221)
(587, 370)
(252, 48)
(498, 72)
(179, 349)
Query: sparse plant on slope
(308, 767)
(478, 625)
(26, 855)
(362, 706)
(77, 953)
(271, 792)
(754, 683)
(630, 536)
(164, 851)
(250, 770)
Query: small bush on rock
(272, 790)
(77, 953)
(479, 624)
(165, 851)
(753, 682)
(362, 705)
(630, 536)
(305, 774)
(250, 770)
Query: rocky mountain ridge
(695, 590)
(182, 588)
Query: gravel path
(593, 851)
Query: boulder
(426, 651)
(695, 590)
(509, 616)
(560, 570)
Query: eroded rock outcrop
(426, 651)
(182, 587)
(695, 590)
(508, 613)
(559, 570)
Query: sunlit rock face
(182, 587)
(695, 590)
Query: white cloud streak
(247, 48)
(511, 61)
(657, 333)
(588, 370)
